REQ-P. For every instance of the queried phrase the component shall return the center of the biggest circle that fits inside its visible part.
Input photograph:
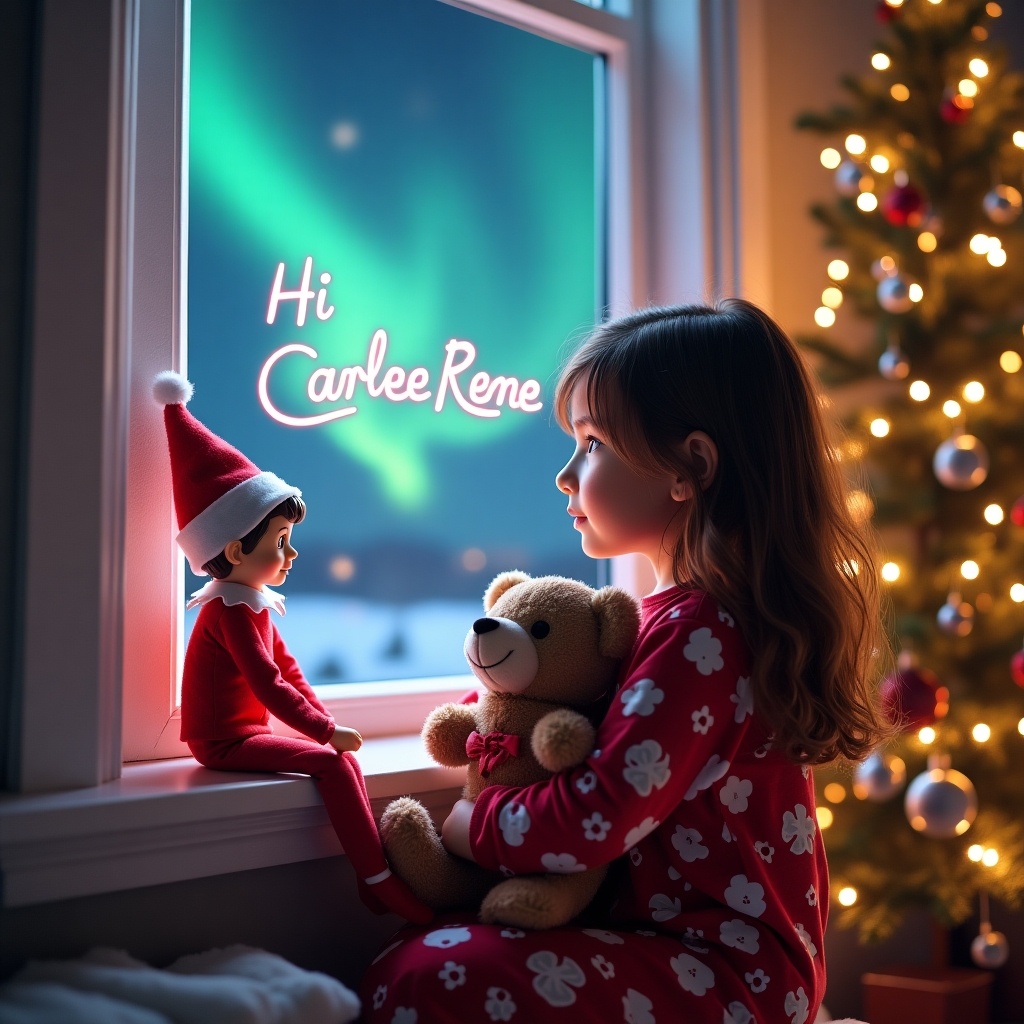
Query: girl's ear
(233, 552)
(702, 454)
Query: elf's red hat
(219, 495)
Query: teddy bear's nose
(484, 625)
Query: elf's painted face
(268, 563)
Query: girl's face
(268, 563)
(617, 510)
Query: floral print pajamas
(719, 894)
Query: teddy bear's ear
(502, 582)
(618, 616)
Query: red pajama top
(238, 670)
(718, 828)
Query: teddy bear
(547, 653)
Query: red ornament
(903, 206)
(886, 12)
(956, 109)
(913, 698)
(1017, 667)
(1017, 512)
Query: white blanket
(237, 985)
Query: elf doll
(235, 525)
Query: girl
(699, 444)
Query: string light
(880, 61)
(1017, 593)
(879, 163)
(915, 292)
(847, 896)
(1018, 139)
(824, 317)
(978, 67)
(951, 408)
(838, 270)
(879, 427)
(990, 858)
(1020, 727)
(979, 244)
(900, 93)
(974, 391)
(968, 87)
(926, 735)
(867, 201)
(927, 242)
(920, 391)
(975, 852)
(830, 158)
(981, 733)
(993, 10)
(835, 793)
(890, 572)
(969, 569)
(832, 297)
(1010, 361)
(996, 256)
(855, 144)
(824, 817)
(994, 514)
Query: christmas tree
(924, 302)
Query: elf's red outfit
(719, 904)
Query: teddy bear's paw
(528, 903)
(415, 852)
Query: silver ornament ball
(955, 617)
(1003, 204)
(893, 364)
(990, 949)
(941, 803)
(847, 179)
(961, 463)
(879, 777)
(894, 294)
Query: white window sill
(168, 821)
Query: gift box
(927, 995)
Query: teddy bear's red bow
(492, 749)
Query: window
(98, 551)
(419, 316)
(393, 223)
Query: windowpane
(428, 176)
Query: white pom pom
(170, 388)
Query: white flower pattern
(735, 794)
(514, 822)
(646, 769)
(702, 720)
(642, 831)
(798, 827)
(499, 1004)
(797, 1006)
(689, 844)
(708, 776)
(746, 896)
(704, 650)
(694, 975)
(743, 698)
(556, 979)
(636, 1008)
(596, 828)
(561, 863)
(641, 698)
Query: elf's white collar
(238, 593)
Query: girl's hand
(345, 739)
(455, 830)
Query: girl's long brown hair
(771, 537)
